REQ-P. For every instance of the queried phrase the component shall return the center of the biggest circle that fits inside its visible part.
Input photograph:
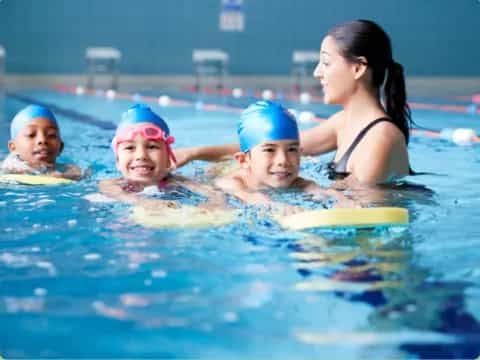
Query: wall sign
(232, 17)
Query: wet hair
(364, 38)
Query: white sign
(232, 17)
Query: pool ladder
(102, 60)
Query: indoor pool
(80, 279)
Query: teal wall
(430, 37)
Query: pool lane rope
(306, 97)
(460, 136)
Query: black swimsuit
(338, 170)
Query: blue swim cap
(140, 113)
(265, 120)
(27, 115)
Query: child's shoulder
(174, 180)
(303, 184)
(235, 179)
(14, 164)
(117, 182)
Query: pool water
(80, 279)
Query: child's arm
(206, 153)
(235, 186)
(215, 197)
(13, 165)
(71, 172)
(113, 189)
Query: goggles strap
(168, 142)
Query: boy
(269, 156)
(35, 144)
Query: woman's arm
(314, 141)
(321, 138)
(206, 153)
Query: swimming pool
(79, 279)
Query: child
(35, 143)
(143, 153)
(269, 156)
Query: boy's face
(143, 161)
(38, 143)
(274, 164)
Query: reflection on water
(422, 316)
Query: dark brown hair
(366, 38)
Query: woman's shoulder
(388, 132)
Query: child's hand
(183, 156)
(158, 204)
(56, 174)
(72, 172)
(347, 203)
(258, 198)
(286, 209)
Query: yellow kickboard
(355, 217)
(33, 179)
(183, 217)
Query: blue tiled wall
(430, 37)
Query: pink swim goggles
(149, 132)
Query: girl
(144, 157)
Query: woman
(357, 71)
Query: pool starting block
(209, 62)
(102, 60)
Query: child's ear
(241, 158)
(11, 146)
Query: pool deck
(417, 86)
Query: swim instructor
(370, 133)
